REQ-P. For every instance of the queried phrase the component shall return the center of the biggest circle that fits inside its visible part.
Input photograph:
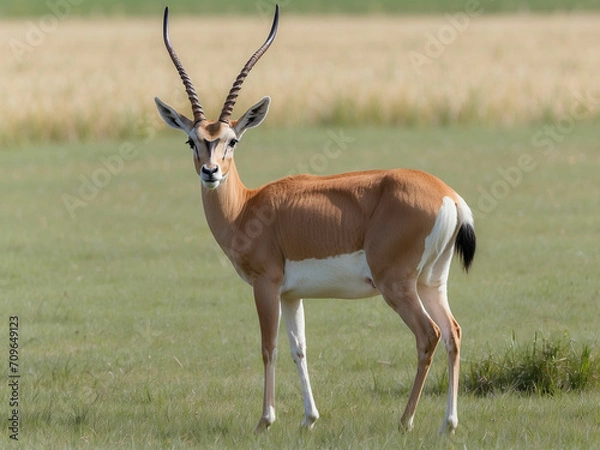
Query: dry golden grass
(93, 78)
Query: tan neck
(222, 206)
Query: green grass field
(137, 7)
(135, 332)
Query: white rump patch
(439, 238)
(342, 276)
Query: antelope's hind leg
(432, 289)
(293, 314)
(403, 298)
(434, 299)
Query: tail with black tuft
(466, 243)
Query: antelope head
(213, 142)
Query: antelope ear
(253, 117)
(172, 117)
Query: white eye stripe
(231, 144)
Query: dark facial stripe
(211, 146)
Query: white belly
(342, 276)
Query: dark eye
(191, 143)
(233, 142)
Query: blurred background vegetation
(394, 63)
(145, 7)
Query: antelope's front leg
(266, 297)
(293, 313)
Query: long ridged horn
(237, 84)
(187, 82)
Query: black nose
(209, 171)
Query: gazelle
(354, 235)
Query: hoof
(309, 422)
(263, 425)
(405, 427)
(449, 426)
